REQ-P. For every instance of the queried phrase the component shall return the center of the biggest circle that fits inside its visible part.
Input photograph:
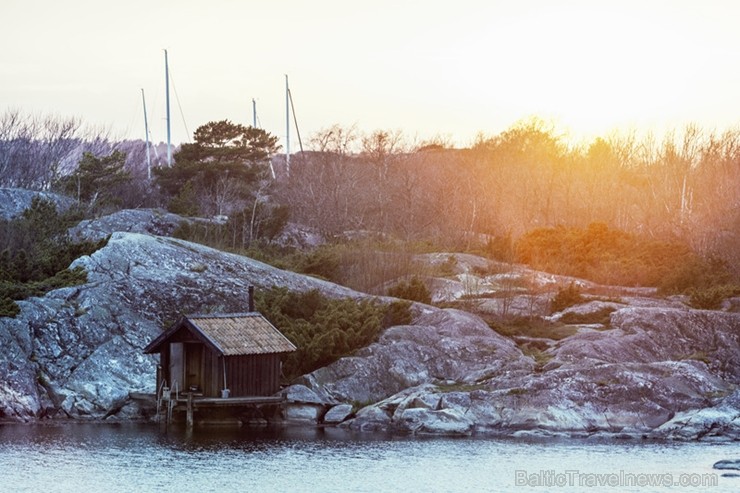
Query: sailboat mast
(146, 130)
(287, 125)
(254, 113)
(167, 96)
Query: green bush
(695, 273)
(711, 298)
(398, 313)
(321, 262)
(8, 308)
(606, 256)
(323, 329)
(35, 253)
(565, 297)
(413, 290)
(185, 203)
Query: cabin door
(193, 367)
(177, 369)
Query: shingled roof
(231, 334)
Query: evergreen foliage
(35, 253)
(225, 172)
(565, 297)
(413, 290)
(324, 329)
(97, 181)
(696, 273)
(601, 316)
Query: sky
(452, 69)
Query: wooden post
(190, 410)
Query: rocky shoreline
(656, 370)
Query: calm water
(141, 458)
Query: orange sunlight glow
(593, 69)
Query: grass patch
(696, 356)
(459, 387)
(533, 327)
(601, 316)
(541, 358)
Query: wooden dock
(191, 402)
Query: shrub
(695, 273)
(36, 252)
(565, 297)
(602, 254)
(711, 298)
(8, 308)
(500, 248)
(320, 262)
(398, 313)
(413, 290)
(532, 327)
(323, 329)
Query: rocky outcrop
(13, 201)
(656, 369)
(721, 421)
(449, 347)
(657, 372)
(155, 222)
(77, 352)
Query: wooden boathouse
(216, 360)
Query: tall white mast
(254, 113)
(167, 95)
(287, 126)
(146, 130)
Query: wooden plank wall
(257, 374)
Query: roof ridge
(224, 315)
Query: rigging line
(295, 120)
(177, 98)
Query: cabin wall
(251, 375)
(213, 379)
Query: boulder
(728, 464)
(371, 418)
(156, 222)
(302, 413)
(721, 420)
(338, 413)
(421, 421)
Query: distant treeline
(682, 190)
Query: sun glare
(591, 69)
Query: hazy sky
(452, 68)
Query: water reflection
(130, 457)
